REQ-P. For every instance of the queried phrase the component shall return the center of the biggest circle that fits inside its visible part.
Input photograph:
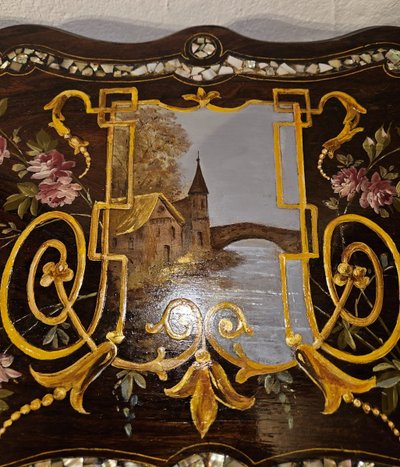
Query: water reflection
(254, 283)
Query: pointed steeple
(198, 185)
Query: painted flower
(377, 193)
(347, 182)
(50, 165)
(4, 152)
(7, 373)
(57, 192)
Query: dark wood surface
(162, 430)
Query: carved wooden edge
(198, 55)
(70, 43)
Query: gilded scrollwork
(205, 381)
(206, 378)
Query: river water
(255, 285)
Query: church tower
(200, 220)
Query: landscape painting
(205, 225)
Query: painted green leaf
(369, 147)
(382, 140)
(383, 366)
(349, 339)
(290, 422)
(133, 400)
(388, 379)
(3, 106)
(139, 379)
(3, 405)
(64, 337)
(18, 167)
(268, 383)
(287, 408)
(396, 203)
(390, 399)
(383, 212)
(331, 203)
(282, 397)
(382, 171)
(4, 393)
(54, 342)
(285, 377)
(121, 374)
(34, 207)
(28, 188)
(34, 149)
(396, 363)
(44, 141)
(276, 387)
(392, 176)
(15, 136)
(341, 340)
(342, 159)
(48, 338)
(23, 207)
(127, 387)
(13, 202)
(383, 258)
(128, 429)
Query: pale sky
(236, 153)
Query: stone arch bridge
(223, 235)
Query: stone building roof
(198, 185)
(143, 207)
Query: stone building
(194, 209)
(156, 231)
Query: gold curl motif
(55, 273)
(336, 385)
(350, 125)
(333, 278)
(77, 144)
(165, 322)
(225, 326)
(79, 375)
(227, 330)
(205, 381)
(161, 365)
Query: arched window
(131, 244)
(173, 232)
(200, 238)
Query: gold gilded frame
(204, 374)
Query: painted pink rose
(377, 193)
(58, 192)
(7, 373)
(4, 152)
(50, 165)
(347, 182)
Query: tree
(159, 143)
